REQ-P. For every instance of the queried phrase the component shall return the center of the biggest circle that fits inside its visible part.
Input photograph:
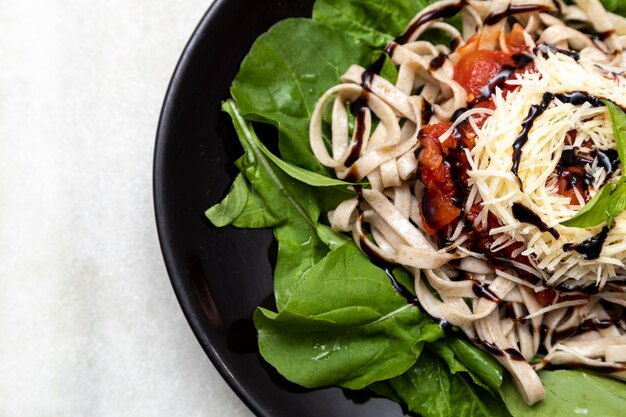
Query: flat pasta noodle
(499, 166)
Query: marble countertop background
(89, 324)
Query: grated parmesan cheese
(498, 188)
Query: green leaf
(615, 6)
(232, 205)
(462, 356)
(405, 278)
(330, 237)
(375, 22)
(595, 211)
(286, 71)
(301, 174)
(344, 325)
(289, 205)
(429, 389)
(384, 389)
(255, 214)
(570, 393)
(618, 122)
(617, 203)
(389, 71)
(480, 364)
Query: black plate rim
(211, 15)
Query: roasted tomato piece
(476, 69)
(572, 178)
(480, 119)
(482, 241)
(437, 206)
(438, 210)
(515, 40)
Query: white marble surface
(89, 325)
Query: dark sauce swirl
(483, 291)
(526, 215)
(437, 13)
(495, 350)
(535, 111)
(590, 248)
(511, 10)
(358, 109)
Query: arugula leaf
(429, 389)
(570, 393)
(232, 205)
(287, 69)
(344, 325)
(618, 122)
(290, 206)
(595, 211)
(617, 203)
(462, 356)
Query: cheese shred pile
(498, 187)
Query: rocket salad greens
(339, 322)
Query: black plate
(221, 275)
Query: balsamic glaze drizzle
(584, 327)
(483, 291)
(514, 354)
(526, 215)
(457, 113)
(359, 109)
(535, 111)
(454, 43)
(544, 48)
(427, 112)
(401, 289)
(437, 62)
(609, 159)
(606, 34)
(590, 248)
(495, 350)
(442, 12)
(511, 10)
(521, 61)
